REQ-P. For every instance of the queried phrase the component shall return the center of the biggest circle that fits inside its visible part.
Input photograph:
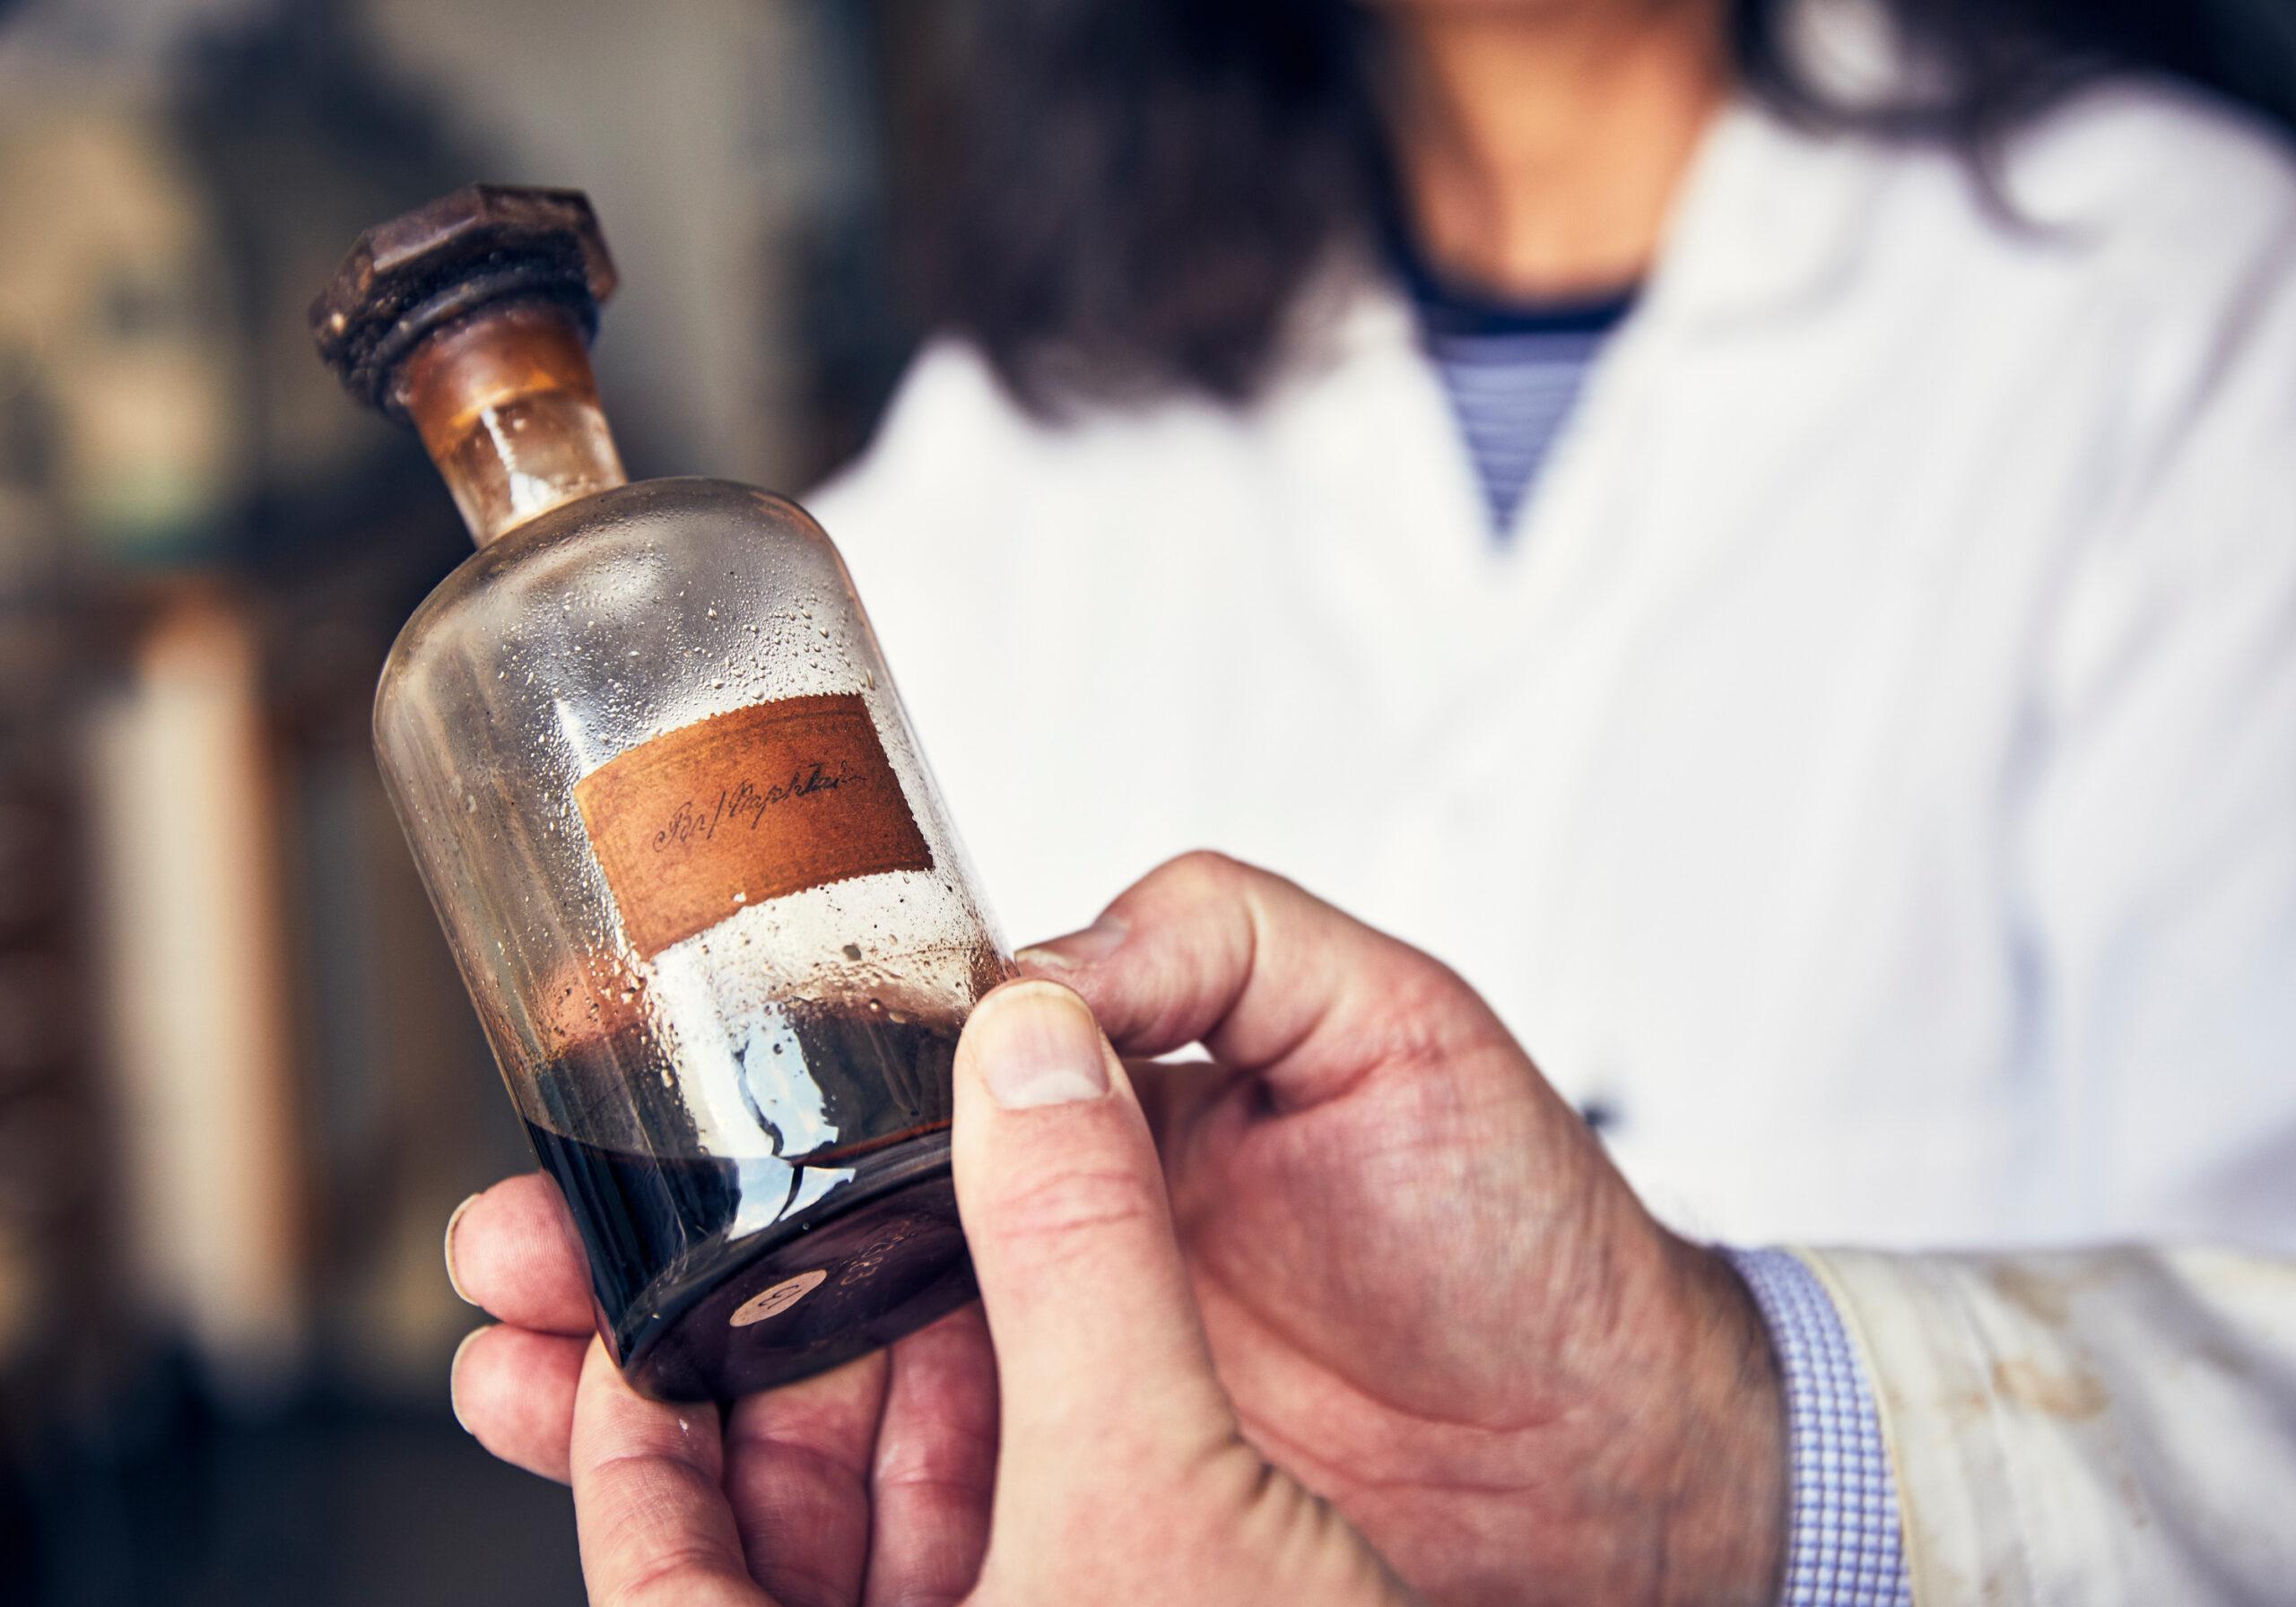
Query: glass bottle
(698, 878)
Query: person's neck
(1538, 155)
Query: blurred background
(240, 1088)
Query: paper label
(764, 802)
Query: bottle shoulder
(618, 548)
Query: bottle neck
(505, 406)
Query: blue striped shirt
(1513, 374)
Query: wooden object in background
(187, 828)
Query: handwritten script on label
(745, 806)
(755, 804)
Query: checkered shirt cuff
(1845, 1546)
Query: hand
(1124, 1475)
(867, 1484)
(1426, 1292)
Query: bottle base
(783, 1306)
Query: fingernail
(454, 1377)
(1093, 944)
(1043, 1048)
(454, 1283)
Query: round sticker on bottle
(774, 1301)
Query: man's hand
(1426, 1293)
(1429, 1293)
(1124, 1475)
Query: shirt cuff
(1845, 1542)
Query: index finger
(1269, 978)
(654, 1523)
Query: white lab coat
(1869, 768)
(2084, 1429)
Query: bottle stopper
(482, 246)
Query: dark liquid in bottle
(716, 1276)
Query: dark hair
(1141, 187)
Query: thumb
(1100, 1350)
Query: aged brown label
(755, 804)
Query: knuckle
(1200, 873)
(1061, 1214)
(1431, 1014)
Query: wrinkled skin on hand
(1428, 1297)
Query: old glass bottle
(701, 888)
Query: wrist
(1683, 1482)
(1725, 1452)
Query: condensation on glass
(688, 857)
